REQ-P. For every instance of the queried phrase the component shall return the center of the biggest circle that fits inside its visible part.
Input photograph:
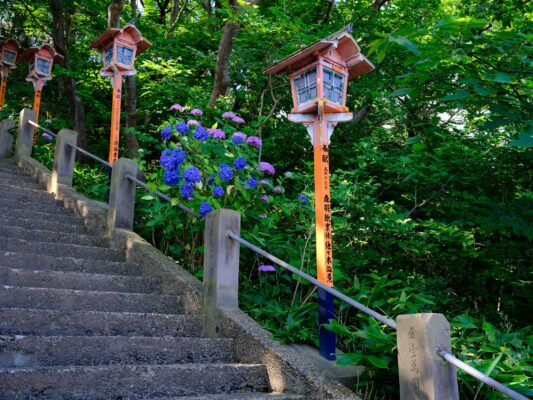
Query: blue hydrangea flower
(201, 134)
(225, 173)
(171, 177)
(239, 163)
(166, 132)
(303, 199)
(182, 128)
(179, 155)
(192, 175)
(187, 190)
(251, 182)
(218, 191)
(205, 208)
(167, 161)
(212, 177)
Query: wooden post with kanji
(319, 76)
(119, 48)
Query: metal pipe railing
(33, 123)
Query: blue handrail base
(326, 313)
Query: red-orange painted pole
(37, 106)
(115, 118)
(3, 85)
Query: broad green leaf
(147, 197)
(459, 95)
(413, 140)
(400, 92)
(378, 362)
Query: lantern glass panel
(43, 66)
(306, 86)
(333, 86)
(124, 55)
(108, 56)
(9, 56)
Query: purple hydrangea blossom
(228, 114)
(266, 268)
(263, 216)
(192, 175)
(267, 167)
(193, 122)
(254, 141)
(226, 173)
(205, 208)
(166, 132)
(217, 133)
(237, 120)
(177, 107)
(218, 191)
(171, 177)
(264, 198)
(278, 189)
(264, 182)
(201, 134)
(197, 112)
(238, 138)
(182, 128)
(47, 137)
(252, 183)
(303, 199)
(240, 163)
(187, 190)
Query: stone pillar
(64, 157)
(221, 267)
(424, 375)
(25, 134)
(6, 138)
(122, 195)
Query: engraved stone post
(122, 195)
(424, 375)
(6, 138)
(25, 134)
(221, 267)
(64, 159)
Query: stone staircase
(77, 321)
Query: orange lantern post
(319, 76)
(40, 62)
(119, 48)
(8, 59)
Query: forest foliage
(431, 182)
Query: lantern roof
(129, 30)
(7, 42)
(28, 54)
(342, 41)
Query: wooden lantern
(9, 50)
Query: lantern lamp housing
(9, 50)
(119, 48)
(319, 73)
(40, 62)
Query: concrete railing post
(221, 267)
(122, 195)
(423, 373)
(6, 138)
(64, 157)
(25, 134)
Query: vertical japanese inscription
(3, 85)
(36, 108)
(115, 119)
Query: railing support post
(221, 267)
(25, 135)
(64, 157)
(121, 196)
(423, 373)
(6, 138)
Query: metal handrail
(35, 124)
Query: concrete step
(30, 351)
(30, 261)
(131, 381)
(12, 169)
(77, 281)
(57, 226)
(12, 181)
(84, 300)
(8, 175)
(63, 216)
(25, 321)
(59, 249)
(237, 396)
(41, 204)
(23, 197)
(6, 189)
(17, 232)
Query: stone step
(9, 176)
(12, 181)
(43, 204)
(237, 396)
(18, 351)
(131, 381)
(25, 321)
(57, 226)
(63, 216)
(12, 169)
(59, 249)
(6, 189)
(85, 300)
(20, 260)
(24, 198)
(77, 281)
(17, 232)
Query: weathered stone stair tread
(77, 281)
(64, 217)
(33, 351)
(25, 198)
(237, 396)
(15, 259)
(12, 169)
(17, 232)
(24, 191)
(36, 210)
(134, 382)
(60, 249)
(57, 226)
(84, 300)
(9, 176)
(49, 206)
(24, 321)
(7, 182)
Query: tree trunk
(175, 15)
(132, 144)
(225, 47)
(67, 84)
(114, 11)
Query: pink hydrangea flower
(177, 107)
(267, 167)
(216, 133)
(264, 182)
(197, 112)
(254, 141)
(278, 189)
(266, 268)
(228, 114)
(237, 120)
(193, 122)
